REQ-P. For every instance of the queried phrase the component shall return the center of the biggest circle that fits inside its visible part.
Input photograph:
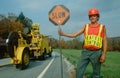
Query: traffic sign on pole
(59, 15)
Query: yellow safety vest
(93, 41)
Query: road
(49, 68)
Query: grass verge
(109, 69)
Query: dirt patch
(71, 69)
(72, 74)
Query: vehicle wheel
(25, 59)
(13, 41)
(50, 53)
(18, 66)
(44, 56)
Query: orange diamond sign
(59, 15)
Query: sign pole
(60, 48)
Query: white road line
(44, 71)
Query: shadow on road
(38, 62)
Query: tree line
(114, 44)
(76, 43)
(13, 23)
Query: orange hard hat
(93, 11)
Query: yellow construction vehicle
(21, 47)
(40, 44)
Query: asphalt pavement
(49, 68)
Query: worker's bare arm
(73, 34)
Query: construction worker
(94, 45)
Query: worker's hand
(60, 32)
(102, 58)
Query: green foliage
(14, 23)
(114, 44)
(6, 26)
(70, 44)
(27, 22)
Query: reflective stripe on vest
(93, 40)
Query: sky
(38, 11)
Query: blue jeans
(86, 57)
